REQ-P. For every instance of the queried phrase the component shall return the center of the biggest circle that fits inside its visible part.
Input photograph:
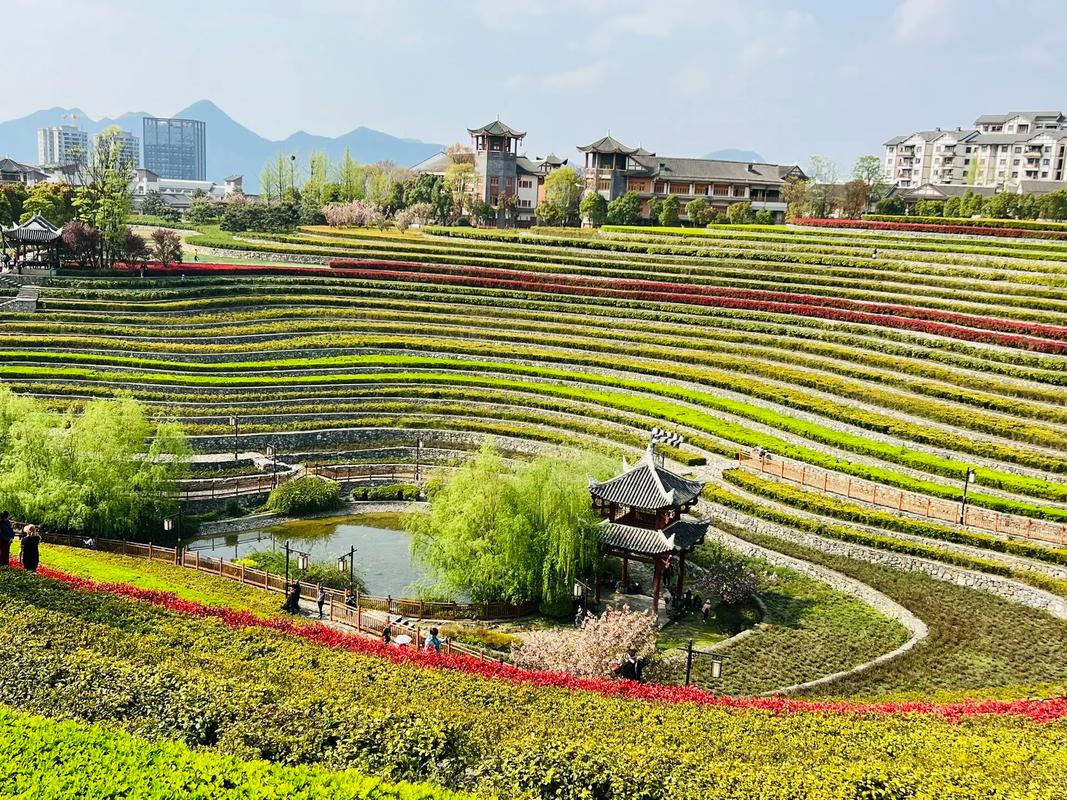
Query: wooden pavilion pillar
(625, 573)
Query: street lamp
(272, 453)
(348, 562)
(967, 481)
(173, 524)
(292, 173)
(234, 423)
(716, 662)
(418, 459)
(301, 560)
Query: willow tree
(515, 535)
(106, 469)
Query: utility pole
(234, 422)
(967, 481)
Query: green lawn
(154, 575)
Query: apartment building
(613, 169)
(1002, 151)
(62, 145)
(128, 144)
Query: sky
(786, 78)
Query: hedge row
(939, 227)
(253, 693)
(975, 222)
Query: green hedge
(304, 496)
(63, 760)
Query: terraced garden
(902, 360)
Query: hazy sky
(787, 78)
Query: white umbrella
(402, 640)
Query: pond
(383, 550)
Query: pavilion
(36, 235)
(645, 520)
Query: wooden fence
(237, 486)
(935, 508)
(356, 616)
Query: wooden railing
(935, 508)
(335, 598)
(261, 483)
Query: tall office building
(62, 145)
(176, 148)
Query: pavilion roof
(680, 535)
(497, 128)
(35, 229)
(608, 144)
(647, 486)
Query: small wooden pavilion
(36, 242)
(645, 520)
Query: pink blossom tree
(595, 649)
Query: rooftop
(497, 128)
(680, 535)
(647, 486)
(608, 144)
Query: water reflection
(383, 555)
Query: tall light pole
(418, 459)
(968, 479)
(301, 560)
(292, 173)
(173, 524)
(272, 453)
(234, 423)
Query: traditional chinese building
(613, 169)
(645, 519)
(501, 169)
(35, 242)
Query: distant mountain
(232, 149)
(732, 154)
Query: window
(494, 182)
(1015, 162)
(509, 186)
(1018, 149)
(1044, 174)
(525, 183)
(525, 204)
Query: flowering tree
(402, 219)
(595, 649)
(166, 246)
(728, 574)
(82, 241)
(355, 213)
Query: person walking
(321, 601)
(350, 598)
(7, 536)
(31, 548)
(387, 631)
(706, 610)
(433, 641)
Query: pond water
(383, 554)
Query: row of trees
(106, 469)
(1002, 205)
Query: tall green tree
(12, 197)
(351, 178)
(108, 469)
(626, 210)
(563, 194)
(668, 213)
(497, 534)
(104, 198)
(53, 201)
(594, 208)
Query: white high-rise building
(1019, 151)
(62, 145)
(129, 146)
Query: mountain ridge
(232, 148)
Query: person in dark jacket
(321, 599)
(31, 548)
(387, 631)
(631, 667)
(7, 535)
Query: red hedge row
(1036, 710)
(974, 230)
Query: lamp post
(348, 562)
(173, 524)
(234, 422)
(301, 560)
(272, 453)
(716, 662)
(967, 481)
(292, 173)
(418, 459)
